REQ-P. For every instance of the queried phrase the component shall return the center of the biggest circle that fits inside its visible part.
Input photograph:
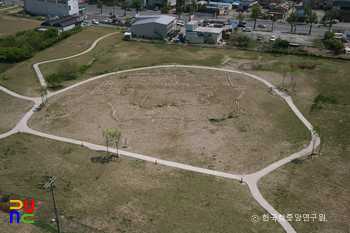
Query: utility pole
(56, 212)
(53, 178)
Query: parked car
(107, 20)
(261, 26)
(156, 8)
(180, 23)
(140, 9)
(247, 29)
(225, 13)
(94, 21)
(249, 10)
(272, 38)
(129, 9)
(242, 24)
(112, 16)
(259, 38)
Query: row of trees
(24, 45)
(295, 75)
(109, 136)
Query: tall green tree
(117, 136)
(311, 17)
(137, 4)
(42, 92)
(292, 20)
(256, 12)
(274, 20)
(296, 74)
(240, 17)
(319, 131)
(100, 5)
(108, 136)
(332, 14)
(124, 7)
(194, 4)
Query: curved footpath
(36, 65)
(251, 180)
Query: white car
(261, 26)
(272, 38)
(247, 29)
(107, 20)
(94, 21)
(180, 23)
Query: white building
(204, 35)
(153, 26)
(55, 7)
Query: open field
(12, 111)
(171, 113)
(320, 185)
(11, 25)
(125, 196)
(24, 73)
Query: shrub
(328, 35)
(335, 45)
(281, 43)
(243, 41)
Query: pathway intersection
(251, 180)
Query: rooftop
(208, 29)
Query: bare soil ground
(166, 113)
(10, 25)
(12, 111)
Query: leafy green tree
(108, 136)
(54, 80)
(51, 33)
(42, 92)
(335, 45)
(319, 131)
(193, 2)
(296, 74)
(165, 9)
(192, 9)
(204, 7)
(137, 4)
(100, 5)
(117, 136)
(243, 41)
(68, 70)
(311, 17)
(328, 35)
(124, 7)
(274, 20)
(332, 14)
(128, 19)
(240, 17)
(281, 43)
(292, 20)
(256, 12)
(285, 70)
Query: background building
(55, 7)
(343, 7)
(153, 26)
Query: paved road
(251, 180)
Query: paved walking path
(251, 180)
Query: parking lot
(292, 38)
